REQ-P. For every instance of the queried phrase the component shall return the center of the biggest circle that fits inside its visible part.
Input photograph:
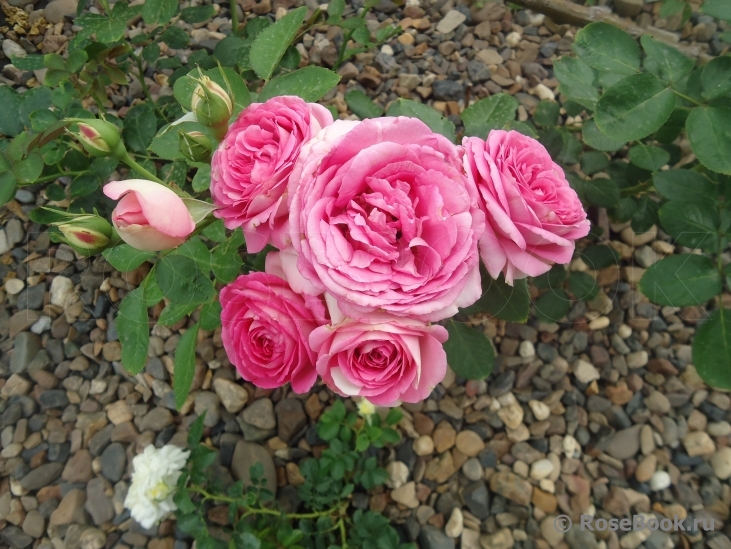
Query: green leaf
(125, 258)
(310, 83)
(692, 223)
(197, 14)
(28, 169)
(202, 179)
(671, 129)
(225, 260)
(55, 192)
(489, 114)
(175, 312)
(681, 280)
(501, 300)
(720, 9)
(8, 186)
(362, 105)
(546, 113)
(76, 61)
(716, 78)
(134, 331)
(469, 353)
(184, 365)
(664, 60)
(583, 286)
(634, 108)
(648, 157)
(151, 53)
(328, 431)
(85, 184)
(211, 315)
(645, 214)
(33, 100)
(553, 305)
(709, 132)
(175, 37)
(394, 416)
(577, 81)
(10, 124)
(159, 11)
(28, 63)
(602, 192)
(436, 122)
(597, 140)
(683, 185)
(593, 162)
(272, 42)
(231, 50)
(196, 431)
(607, 48)
(182, 281)
(712, 349)
(140, 125)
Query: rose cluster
(380, 226)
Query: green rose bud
(212, 106)
(195, 146)
(99, 137)
(87, 234)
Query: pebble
(472, 469)
(511, 415)
(646, 468)
(455, 524)
(721, 463)
(423, 446)
(698, 443)
(511, 487)
(260, 414)
(585, 372)
(247, 454)
(398, 474)
(660, 480)
(56, 10)
(540, 410)
(233, 396)
(599, 323)
(469, 443)
(541, 469)
(14, 286)
(526, 349)
(406, 495)
(625, 443)
(502, 539)
(451, 21)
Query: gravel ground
(602, 414)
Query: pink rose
(386, 362)
(251, 166)
(149, 216)
(533, 215)
(266, 326)
(384, 219)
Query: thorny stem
(343, 535)
(127, 159)
(629, 191)
(145, 89)
(55, 176)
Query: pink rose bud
(212, 105)
(149, 216)
(533, 215)
(388, 362)
(87, 234)
(266, 326)
(99, 137)
(252, 165)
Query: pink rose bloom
(387, 362)
(533, 215)
(251, 166)
(149, 216)
(384, 219)
(266, 326)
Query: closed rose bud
(212, 106)
(87, 234)
(99, 137)
(195, 146)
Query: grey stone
(31, 298)
(58, 9)
(208, 402)
(247, 454)
(477, 499)
(55, 398)
(657, 540)
(15, 537)
(34, 524)
(98, 504)
(41, 476)
(155, 420)
(578, 538)
(628, 8)
(291, 418)
(25, 347)
(478, 71)
(448, 90)
(260, 414)
(92, 538)
(434, 538)
(113, 462)
(451, 21)
(625, 443)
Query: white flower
(155, 473)
(366, 409)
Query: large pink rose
(384, 219)
(390, 361)
(149, 216)
(251, 166)
(266, 326)
(533, 215)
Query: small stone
(599, 323)
(63, 293)
(113, 462)
(540, 410)
(477, 499)
(14, 286)
(472, 469)
(56, 10)
(489, 56)
(41, 476)
(431, 537)
(98, 504)
(260, 414)
(78, 468)
(637, 240)
(628, 8)
(721, 463)
(541, 469)
(291, 418)
(511, 415)
(451, 21)
(93, 538)
(544, 92)
(585, 372)
(698, 443)
(444, 437)
(625, 443)
(646, 469)
(398, 474)
(11, 49)
(657, 402)
(208, 403)
(660, 480)
(247, 454)
(469, 443)
(34, 524)
(455, 524)
(448, 90)
(502, 539)
(233, 396)
(423, 446)
(637, 359)
(526, 349)
(406, 495)
(511, 487)
(550, 533)
(156, 420)
(70, 510)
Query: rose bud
(212, 106)
(99, 137)
(149, 216)
(87, 234)
(195, 146)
